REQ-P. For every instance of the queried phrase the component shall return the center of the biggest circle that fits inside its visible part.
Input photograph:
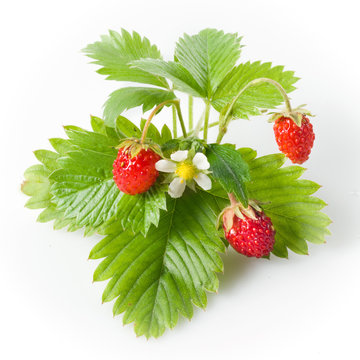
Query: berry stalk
(176, 104)
(232, 199)
(226, 119)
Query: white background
(306, 307)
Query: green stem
(222, 132)
(198, 125)
(202, 128)
(176, 106)
(206, 120)
(181, 119)
(223, 127)
(191, 114)
(174, 121)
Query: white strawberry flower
(186, 170)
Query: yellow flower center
(186, 170)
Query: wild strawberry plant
(159, 196)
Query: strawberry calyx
(237, 209)
(133, 146)
(295, 115)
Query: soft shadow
(235, 268)
(345, 228)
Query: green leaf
(37, 185)
(154, 134)
(138, 212)
(114, 53)
(84, 188)
(80, 162)
(83, 139)
(126, 129)
(256, 97)
(131, 97)
(180, 77)
(91, 200)
(61, 146)
(287, 200)
(154, 278)
(166, 134)
(98, 125)
(229, 169)
(48, 158)
(208, 56)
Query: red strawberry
(293, 140)
(250, 236)
(135, 174)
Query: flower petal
(165, 166)
(177, 187)
(203, 181)
(201, 161)
(179, 155)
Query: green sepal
(133, 146)
(191, 143)
(295, 115)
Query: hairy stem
(232, 199)
(198, 126)
(206, 119)
(191, 114)
(181, 119)
(223, 127)
(202, 128)
(176, 106)
(174, 121)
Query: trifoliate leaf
(114, 52)
(208, 56)
(255, 97)
(180, 77)
(154, 278)
(131, 97)
(229, 169)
